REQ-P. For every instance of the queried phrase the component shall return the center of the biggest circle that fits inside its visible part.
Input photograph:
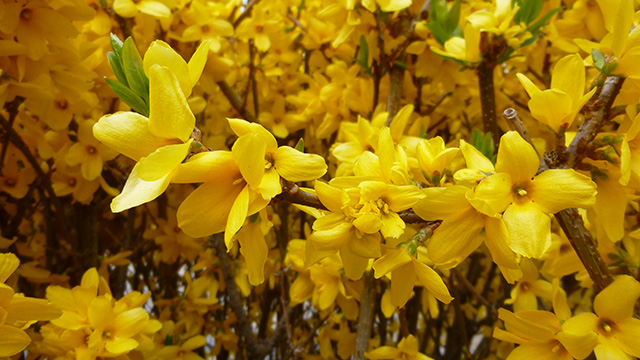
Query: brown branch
(488, 100)
(365, 319)
(235, 101)
(599, 109)
(17, 141)
(12, 109)
(245, 13)
(255, 348)
(297, 22)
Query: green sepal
(300, 145)
(529, 11)
(129, 97)
(134, 70)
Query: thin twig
(235, 101)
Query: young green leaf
(300, 145)
(134, 70)
(129, 97)
(116, 45)
(116, 67)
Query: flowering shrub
(386, 179)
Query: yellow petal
(125, 8)
(529, 229)
(137, 191)
(432, 281)
(493, 194)
(8, 264)
(403, 280)
(199, 218)
(616, 301)
(497, 241)
(100, 312)
(368, 223)
(120, 345)
(517, 158)
(465, 230)
(237, 215)
(159, 52)
(558, 189)
(254, 249)
(579, 346)
(330, 196)
(131, 322)
(154, 8)
(127, 133)
(199, 60)
(366, 246)
(169, 114)
(528, 85)
(332, 239)
(270, 185)
(384, 352)
(568, 76)
(392, 225)
(627, 336)
(27, 309)
(390, 261)
(402, 197)
(474, 158)
(13, 340)
(442, 203)
(162, 161)
(249, 152)
(354, 265)
(553, 107)
(210, 166)
(242, 127)
(294, 165)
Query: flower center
(522, 192)
(606, 327)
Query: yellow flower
(359, 214)
(130, 8)
(407, 349)
(18, 312)
(524, 295)
(613, 321)
(525, 199)
(407, 270)
(558, 106)
(88, 152)
(158, 143)
(433, 158)
(539, 335)
(239, 183)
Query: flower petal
(169, 114)
(162, 161)
(137, 191)
(254, 249)
(237, 215)
(199, 218)
(127, 133)
(558, 189)
(13, 340)
(430, 279)
(616, 301)
(159, 52)
(403, 279)
(529, 229)
(455, 239)
(568, 76)
(249, 152)
(517, 158)
(294, 165)
(552, 107)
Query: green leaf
(529, 11)
(301, 6)
(116, 45)
(300, 145)
(364, 51)
(129, 97)
(452, 18)
(134, 70)
(400, 64)
(533, 28)
(423, 133)
(116, 67)
(438, 11)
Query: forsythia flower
(526, 199)
(407, 349)
(613, 320)
(18, 312)
(162, 141)
(558, 106)
(241, 182)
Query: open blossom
(525, 199)
(558, 106)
